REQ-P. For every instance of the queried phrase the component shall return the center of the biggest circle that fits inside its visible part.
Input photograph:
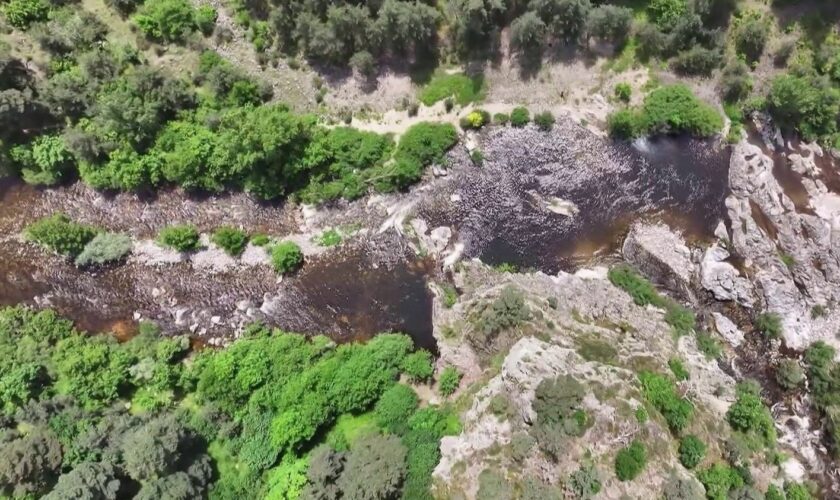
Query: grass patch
(349, 428)
(328, 238)
(596, 350)
(450, 295)
(681, 319)
(464, 89)
(708, 345)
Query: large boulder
(723, 279)
(661, 255)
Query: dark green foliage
(61, 235)
(630, 461)
(421, 145)
(520, 117)
(545, 120)
(691, 451)
(751, 35)
(560, 417)
(29, 463)
(623, 91)
(395, 407)
(528, 33)
(183, 238)
(375, 468)
(205, 19)
(719, 479)
(749, 415)
(808, 105)
(87, 480)
(508, 310)
(774, 493)
(585, 482)
(286, 257)
(662, 394)
(735, 81)
(232, 240)
(501, 118)
(678, 369)
(697, 61)
(610, 22)
(44, 162)
(449, 380)
(769, 324)
(666, 13)
(418, 366)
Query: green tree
(166, 20)
(94, 370)
(394, 408)
(87, 481)
(375, 468)
(325, 467)
(610, 22)
(418, 366)
(46, 162)
(527, 34)
(152, 450)
(29, 464)
(22, 13)
(808, 105)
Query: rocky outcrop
(793, 257)
(723, 279)
(662, 255)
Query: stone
(723, 279)
(661, 255)
(728, 329)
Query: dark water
(679, 180)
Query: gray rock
(661, 255)
(723, 279)
(728, 329)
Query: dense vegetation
(272, 415)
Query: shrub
(749, 415)
(751, 36)
(674, 109)
(418, 366)
(230, 239)
(770, 324)
(678, 369)
(796, 491)
(774, 493)
(640, 289)
(610, 22)
(61, 235)
(364, 63)
(662, 394)
(682, 488)
(329, 238)
(681, 319)
(449, 381)
(475, 119)
(585, 482)
(789, 374)
(166, 20)
(691, 451)
(477, 157)
(557, 404)
(508, 310)
(21, 13)
(205, 19)
(527, 34)
(501, 118)
(809, 105)
(463, 88)
(735, 81)
(103, 248)
(545, 120)
(286, 257)
(394, 408)
(450, 295)
(260, 240)
(630, 461)
(421, 145)
(45, 162)
(493, 485)
(697, 61)
(182, 238)
(623, 91)
(708, 345)
(520, 117)
(624, 124)
(719, 479)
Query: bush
(674, 109)
(678, 369)
(749, 415)
(363, 63)
(418, 366)
(205, 19)
(640, 289)
(329, 238)
(697, 61)
(630, 461)
(182, 238)
(475, 119)
(545, 120)
(735, 81)
(682, 488)
(449, 381)
(45, 162)
(104, 248)
(585, 482)
(789, 374)
(770, 324)
(61, 235)
(230, 239)
(508, 310)
(691, 451)
(662, 394)
(610, 22)
(623, 91)
(463, 88)
(708, 345)
(260, 240)
(286, 257)
(751, 36)
(21, 13)
(394, 408)
(624, 124)
(809, 105)
(421, 145)
(520, 117)
(557, 403)
(501, 118)
(796, 491)
(166, 20)
(493, 485)
(718, 480)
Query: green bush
(809, 105)
(61, 235)
(508, 310)
(286, 257)
(691, 451)
(501, 118)
(624, 124)
(166, 20)
(394, 408)
(789, 374)
(697, 61)
(708, 345)
(681, 319)
(329, 238)
(21, 13)
(718, 480)
(475, 120)
(623, 91)
(45, 162)
(662, 394)
(418, 366)
(796, 491)
(520, 117)
(205, 19)
(545, 120)
(421, 145)
(751, 34)
(260, 240)
(104, 248)
(671, 109)
(585, 482)
(770, 324)
(642, 291)
(463, 88)
(230, 239)
(183, 237)
(678, 369)
(630, 461)
(560, 416)
(749, 415)
(449, 381)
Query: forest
(274, 415)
